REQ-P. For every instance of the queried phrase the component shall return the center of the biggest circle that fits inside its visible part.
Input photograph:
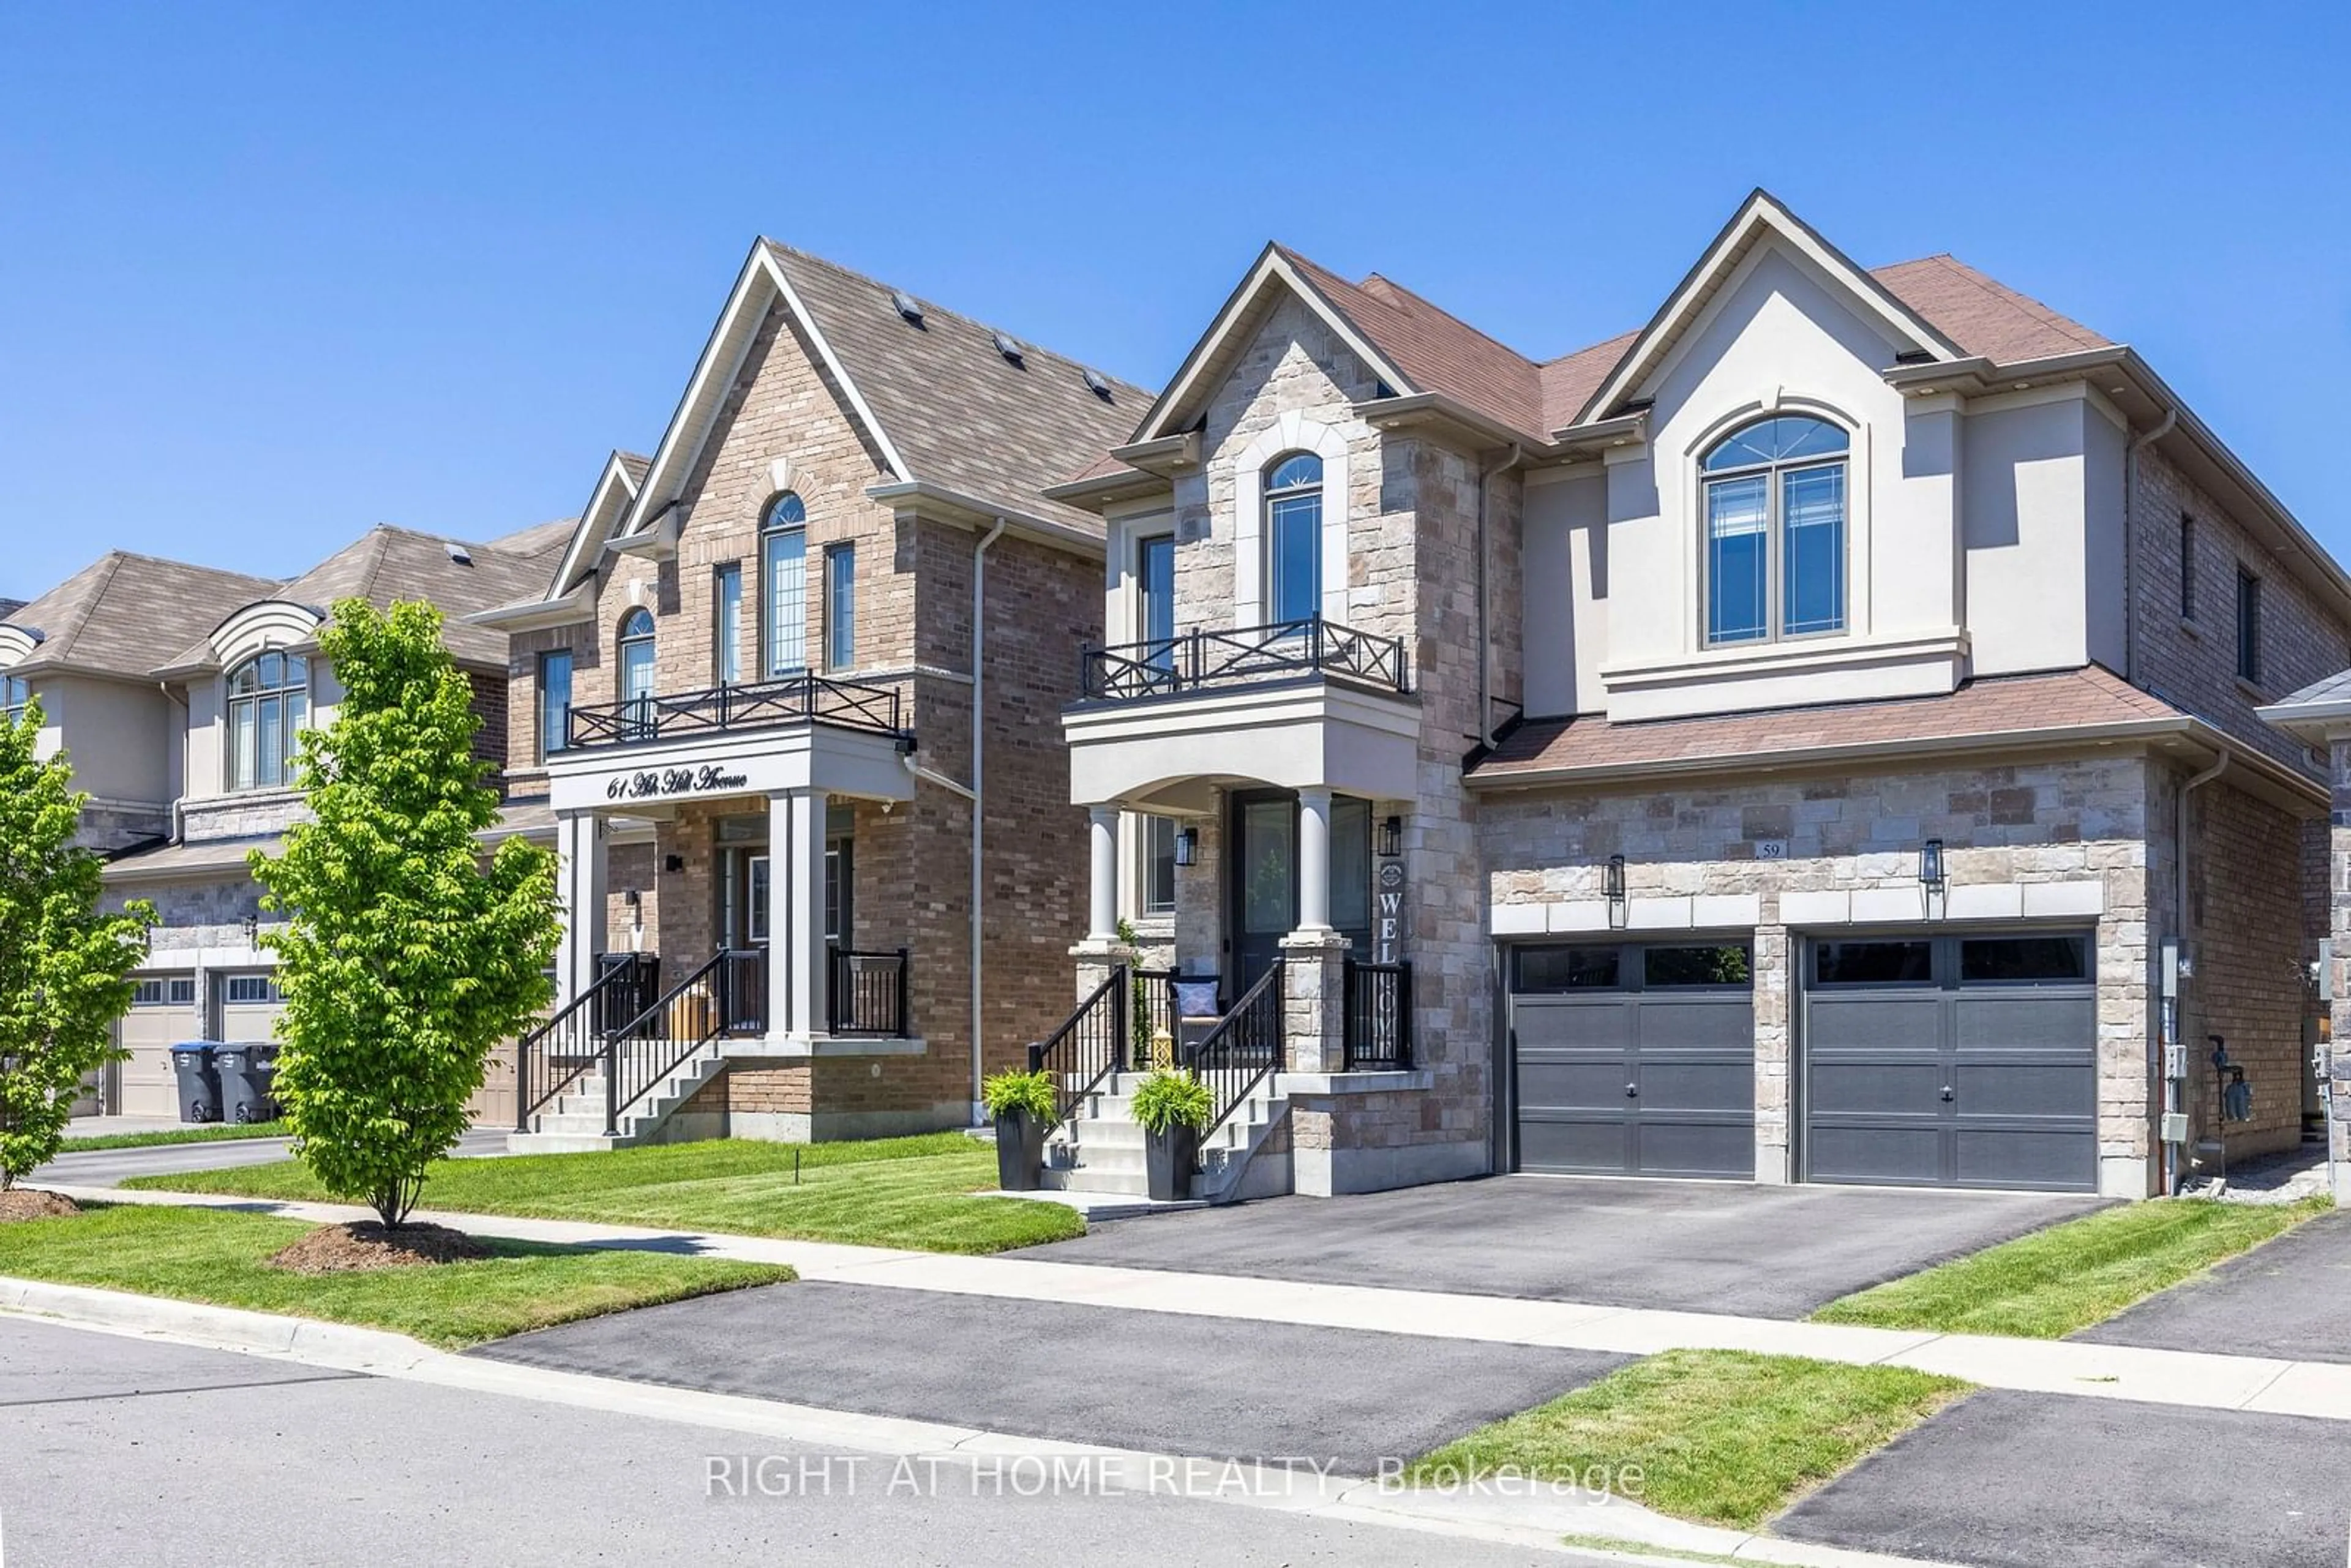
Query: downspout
(978, 789)
(2130, 539)
(180, 796)
(1508, 461)
(2172, 1098)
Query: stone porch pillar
(1314, 1000)
(584, 859)
(798, 972)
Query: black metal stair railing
(1243, 1050)
(1090, 1045)
(558, 1053)
(699, 1008)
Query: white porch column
(584, 859)
(1315, 860)
(1102, 905)
(797, 973)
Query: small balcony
(720, 710)
(1202, 661)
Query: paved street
(2033, 1481)
(1156, 1381)
(2285, 1298)
(1711, 1246)
(104, 1168)
(130, 1452)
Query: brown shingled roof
(111, 616)
(1983, 315)
(1986, 710)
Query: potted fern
(1173, 1108)
(1023, 1106)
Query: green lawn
(1721, 1436)
(886, 1192)
(209, 1133)
(220, 1257)
(2053, 1281)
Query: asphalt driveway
(2026, 1480)
(2286, 1298)
(1709, 1246)
(1164, 1383)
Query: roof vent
(460, 554)
(1012, 350)
(1099, 387)
(1915, 356)
(907, 307)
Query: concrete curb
(1526, 1522)
(2082, 1369)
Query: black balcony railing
(1378, 1017)
(1201, 660)
(797, 699)
(866, 993)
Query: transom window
(783, 564)
(15, 696)
(268, 705)
(1293, 529)
(1775, 504)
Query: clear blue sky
(270, 277)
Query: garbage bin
(247, 1069)
(200, 1089)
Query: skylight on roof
(1099, 387)
(1014, 354)
(460, 554)
(907, 305)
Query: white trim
(1294, 430)
(596, 524)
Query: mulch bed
(344, 1248)
(31, 1203)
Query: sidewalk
(2197, 1379)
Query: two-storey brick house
(791, 697)
(1811, 737)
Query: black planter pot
(1168, 1159)
(1019, 1151)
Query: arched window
(1774, 499)
(1293, 532)
(15, 696)
(783, 566)
(268, 704)
(637, 671)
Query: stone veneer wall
(2338, 1077)
(1852, 844)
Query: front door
(1261, 871)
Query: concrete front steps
(1100, 1149)
(574, 1123)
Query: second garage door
(1634, 1059)
(1965, 1060)
(249, 1006)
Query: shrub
(1028, 1094)
(1168, 1100)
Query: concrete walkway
(2197, 1379)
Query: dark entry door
(1262, 873)
(1966, 1061)
(1634, 1059)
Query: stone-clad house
(230, 682)
(791, 697)
(1811, 738)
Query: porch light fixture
(1392, 837)
(1615, 885)
(1930, 865)
(1188, 846)
(251, 929)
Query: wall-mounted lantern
(1188, 846)
(1615, 887)
(1930, 865)
(251, 929)
(1392, 837)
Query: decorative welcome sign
(1388, 918)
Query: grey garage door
(1634, 1059)
(1965, 1060)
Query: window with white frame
(727, 623)
(554, 701)
(783, 567)
(268, 705)
(1158, 866)
(637, 649)
(841, 607)
(1293, 534)
(15, 696)
(1774, 511)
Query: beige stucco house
(1813, 736)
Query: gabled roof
(940, 404)
(109, 617)
(9, 607)
(608, 506)
(388, 564)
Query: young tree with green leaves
(63, 967)
(405, 958)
